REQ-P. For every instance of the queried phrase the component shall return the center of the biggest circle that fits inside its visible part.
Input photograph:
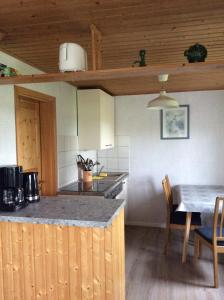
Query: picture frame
(174, 123)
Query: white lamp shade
(162, 101)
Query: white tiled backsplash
(113, 160)
(116, 159)
(67, 152)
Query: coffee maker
(11, 188)
(30, 185)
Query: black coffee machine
(17, 188)
(11, 188)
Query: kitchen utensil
(31, 189)
(11, 188)
(72, 57)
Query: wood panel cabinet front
(95, 119)
(41, 261)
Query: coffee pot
(31, 188)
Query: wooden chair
(175, 219)
(213, 237)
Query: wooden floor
(152, 276)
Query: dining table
(196, 198)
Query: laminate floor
(150, 275)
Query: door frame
(48, 136)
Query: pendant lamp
(163, 100)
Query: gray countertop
(81, 211)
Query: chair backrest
(167, 192)
(168, 182)
(218, 223)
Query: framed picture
(175, 123)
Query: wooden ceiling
(34, 29)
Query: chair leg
(167, 238)
(186, 236)
(215, 267)
(197, 247)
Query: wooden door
(36, 136)
(28, 135)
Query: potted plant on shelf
(86, 165)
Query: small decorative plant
(86, 164)
(196, 53)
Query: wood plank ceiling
(34, 29)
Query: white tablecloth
(198, 198)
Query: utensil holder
(87, 176)
(87, 186)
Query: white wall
(198, 160)
(66, 120)
(139, 148)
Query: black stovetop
(94, 186)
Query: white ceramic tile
(112, 164)
(74, 142)
(123, 164)
(70, 143)
(123, 152)
(67, 143)
(67, 175)
(123, 140)
(89, 154)
(61, 143)
(66, 158)
(111, 153)
(103, 162)
(102, 153)
(61, 159)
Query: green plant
(86, 164)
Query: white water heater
(72, 57)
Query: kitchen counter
(68, 210)
(102, 187)
(64, 247)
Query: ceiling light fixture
(163, 100)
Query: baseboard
(144, 224)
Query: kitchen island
(64, 247)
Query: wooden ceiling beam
(96, 47)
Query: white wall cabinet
(95, 120)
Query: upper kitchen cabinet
(95, 119)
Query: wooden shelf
(182, 77)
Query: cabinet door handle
(108, 145)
